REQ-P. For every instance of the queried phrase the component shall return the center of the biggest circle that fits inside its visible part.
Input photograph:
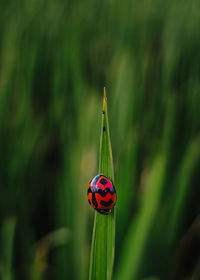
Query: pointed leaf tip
(104, 98)
(104, 90)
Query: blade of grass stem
(103, 239)
(182, 186)
(137, 237)
(8, 231)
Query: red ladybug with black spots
(101, 194)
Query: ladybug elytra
(101, 194)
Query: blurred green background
(55, 59)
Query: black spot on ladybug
(104, 192)
(89, 190)
(94, 201)
(103, 181)
(104, 128)
(106, 203)
(112, 191)
(89, 201)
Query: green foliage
(103, 239)
(137, 238)
(8, 230)
(55, 58)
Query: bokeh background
(55, 59)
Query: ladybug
(101, 194)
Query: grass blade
(103, 239)
(182, 187)
(8, 232)
(136, 240)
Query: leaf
(103, 239)
(182, 186)
(136, 240)
(7, 242)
